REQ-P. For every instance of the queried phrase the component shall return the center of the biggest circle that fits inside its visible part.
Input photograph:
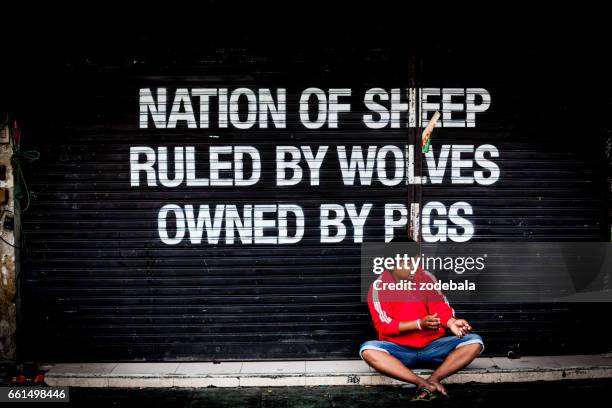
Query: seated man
(411, 331)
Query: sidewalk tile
(337, 367)
(85, 368)
(274, 367)
(141, 382)
(481, 363)
(582, 361)
(146, 368)
(209, 368)
(96, 382)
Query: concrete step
(312, 373)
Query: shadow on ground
(557, 394)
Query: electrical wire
(17, 159)
(8, 243)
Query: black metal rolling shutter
(98, 285)
(552, 179)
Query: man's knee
(474, 347)
(371, 356)
(369, 346)
(474, 342)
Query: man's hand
(430, 322)
(459, 327)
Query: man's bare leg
(390, 366)
(455, 361)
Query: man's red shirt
(390, 307)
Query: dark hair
(403, 239)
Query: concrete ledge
(312, 373)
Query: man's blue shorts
(431, 355)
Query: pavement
(316, 373)
(567, 393)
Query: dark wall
(97, 283)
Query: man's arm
(386, 325)
(429, 322)
(382, 315)
(405, 327)
(437, 303)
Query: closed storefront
(212, 207)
